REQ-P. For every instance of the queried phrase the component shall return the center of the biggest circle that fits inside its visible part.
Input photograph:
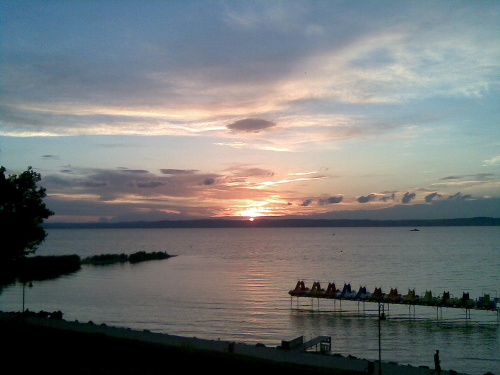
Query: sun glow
(253, 212)
(255, 209)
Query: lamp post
(381, 316)
(24, 291)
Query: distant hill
(281, 223)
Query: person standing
(437, 363)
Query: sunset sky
(152, 110)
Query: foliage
(105, 259)
(22, 212)
(139, 256)
(47, 267)
(142, 256)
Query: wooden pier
(298, 344)
(385, 301)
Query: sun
(251, 219)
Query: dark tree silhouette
(22, 212)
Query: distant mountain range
(280, 223)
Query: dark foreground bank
(39, 349)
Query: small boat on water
(316, 290)
(393, 296)
(377, 295)
(362, 294)
(411, 297)
(300, 289)
(331, 291)
(415, 230)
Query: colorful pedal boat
(300, 289)
(427, 299)
(443, 299)
(362, 294)
(411, 297)
(331, 291)
(393, 296)
(377, 295)
(485, 302)
(347, 292)
(316, 290)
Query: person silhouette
(437, 363)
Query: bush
(46, 267)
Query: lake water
(233, 284)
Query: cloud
(459, 196)
(306, 203)
(150, 184)
(269, 60)
(437, 209)
(430, 197)
(208, 181)
(94, 183)
(391, 196)
(245, 170)
(50, 157)
(450, 178)
(330, 200)
(495, 160)
(478, 179)
(365, 199)
(408, 197)
(178, 171)
(134, 171)
(251, 125)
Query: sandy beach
(63, 347)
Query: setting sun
(251, 212)
(255, 209)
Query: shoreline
(59, 335)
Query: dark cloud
(50, 157)
(484, 176)
(450, 178)
(386, 198)
(135, 171)
(437, 209)
(208, 181)
(94, 183)
(330, 200)
(120, 184)
(366, 199)
(477, 176)
(459, 196)
(430, 197)
(56, 183)
(150, 184)
(306, 203)
(408, 197)
(251, 125)
(178, 171)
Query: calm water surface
(233, 284)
